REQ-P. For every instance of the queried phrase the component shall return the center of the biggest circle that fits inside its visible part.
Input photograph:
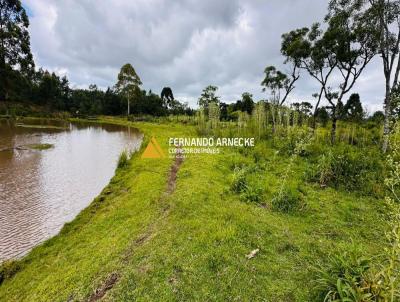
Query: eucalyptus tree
(279, 83)
(351, 45)
(128, 83)
(384, 15)
(208, 96)
(305, 48)
(15, 49)
(335, 56)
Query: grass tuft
(123, 160)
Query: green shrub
(295, 141)
(287, 200)
(239, 181)
(349, 168)
(245, 181)
(325, 169)
(345, 277)
(123, 160)
(252, 193)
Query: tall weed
(349, 168)
(350, 277)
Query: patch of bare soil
(106, 286)
(172, 175)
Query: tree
(224, 111)
(395, 104)
(208, 96)
(384, 15)
(306, 50)
(167, 95)
(65, 92)
(303, 109)
(378, 117)
(14, 43)
(128, 83)
(353, 110)
(350, 45)
(343, 49)
(276, 81)
(247, 103)
(322, 115)
(49, 90)
(151, 103)
(112, 103)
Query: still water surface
(40, 190)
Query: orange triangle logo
(153, 150)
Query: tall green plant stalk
(301, 145)
(390, 273)
(213, 115)
(259, 117)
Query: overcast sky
(184, 44)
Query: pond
(49, 172)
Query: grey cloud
(185, 44)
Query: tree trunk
(273, 118)
(129, 106)
(386, 123)
(3, 79)
(333, 130)
(2, 86)
(334, 122)
(314, 123)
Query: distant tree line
(350, 111)
(354, 31)
(20, 82)
(54, 92)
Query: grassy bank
(20, 109)
(140, 240)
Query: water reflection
(41, 190)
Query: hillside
(151, 236)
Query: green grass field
(139, 242)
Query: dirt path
(171, 184)
(106, 286)
(113, 278)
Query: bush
(123, 160)
(245, 182)
(252, 193)
(345, 277)
(349, 168)
(287, 200)
(295, 141)
(325, 169)
(239, 181)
